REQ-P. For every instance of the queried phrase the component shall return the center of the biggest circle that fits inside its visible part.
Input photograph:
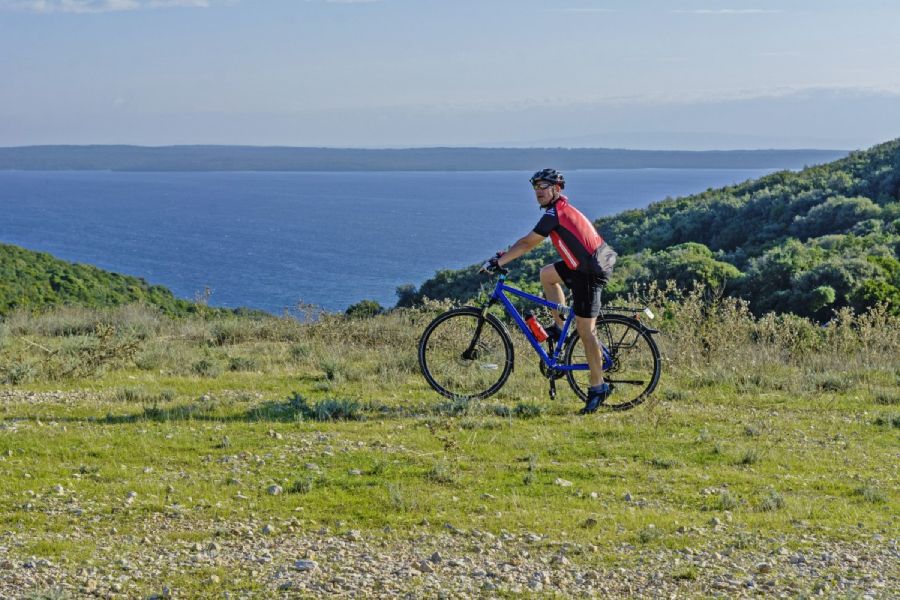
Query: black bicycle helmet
(551, 175)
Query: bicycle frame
(552, 361)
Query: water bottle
(536, 328)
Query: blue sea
(274, 240)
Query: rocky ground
(457, 563)
(254, 557)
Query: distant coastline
(262, 158)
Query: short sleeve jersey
(573, 235)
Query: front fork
(471, 353)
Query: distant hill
(253, 158)
(36, 280)
(805, 242)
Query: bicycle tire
(444, 343)
(636, 363)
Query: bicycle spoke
(634, 372)
(465, 356)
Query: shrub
(671, 395)
(771, 501)
(237, 330)
(337, 410)
(648, 534)
(302, 486)
(18, 372)
(688, 573)
(364, 309)
(750, 457)
(832, 382)
(835, 215)
(299, 351)
(242, 363)
(233, 331)
(663, 463)
(59, 322)
(870, 493)
(131, 395)
(453, 408)
(887, 397)
(887, 420)
(143, 395)
(137, 320)
(727, 500)
(295, 408)
(150, 360)
(528, 411)
(499, 410)
(399, 499)
(206, 368)
(89, 355)
(441, 473)
(333, 368)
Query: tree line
(37, 280)
(806, 242)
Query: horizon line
(425, 147)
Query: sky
(688, 74)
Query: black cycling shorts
(585, 288)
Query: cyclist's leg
(586, 304)
(585, 328)
(553, 290)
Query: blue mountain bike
(466, 353)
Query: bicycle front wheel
(464, 355)
(631, 362)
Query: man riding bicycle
(585, 268)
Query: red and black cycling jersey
(575, 238)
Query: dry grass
(706, 341)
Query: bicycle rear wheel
(635, 369)
(464, 355)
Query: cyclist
(586, 266)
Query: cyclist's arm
(522, 246)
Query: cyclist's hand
(490, 266)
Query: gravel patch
(457, 563)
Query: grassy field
(144, 456)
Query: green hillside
(36, 280)
(806, 242)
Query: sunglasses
(541, 186)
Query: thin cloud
(777, 53)
(585, 10)
(727, 11)
(96, 6)
(343, 1)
